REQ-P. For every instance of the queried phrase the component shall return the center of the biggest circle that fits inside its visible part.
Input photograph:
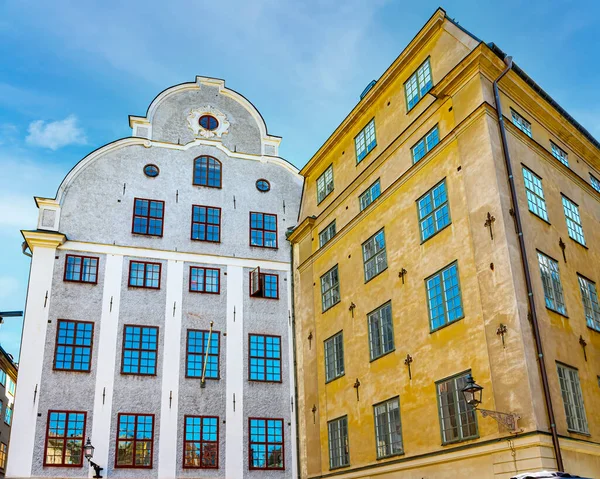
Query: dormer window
(207, 172)
(208, 122)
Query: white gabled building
(158, 319)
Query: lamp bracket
(507, 420)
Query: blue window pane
(265, 358)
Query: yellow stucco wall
(469, 158)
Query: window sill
(464, 439)
(436, 233)
(381, 356)
(339, 467)
(564, 315)
(80, 282)
(358, 162)
(204, 292)
(265, 297)
(146, 234)
(58, 370)
(205, 240)
(337, 377)
(383, 458)
(264, 381)
(539, 217)
(334, 304)
(446, 325)
(373, 277)
(580, 244)
(324, 197)
(572, 431)
(200, 378)
(264, 247)
(593, 329)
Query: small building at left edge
(8, 383)
(158, 319)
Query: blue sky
(71, 72)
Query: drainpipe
(524, 261)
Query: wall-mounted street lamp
(473, 392)
(88, 451)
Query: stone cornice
(302, 230)
(43, 239)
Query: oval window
(263, 185)
(208, 122)
(151, 171)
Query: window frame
(440, 273)
(145, 263)
(203, 353)
(207, 158)
(346, 447)
(380, 331)
(135, 440)
(333, 287)
(575, 208)
(74, 346)
(123, 349)
(368, 191)
(374, 256)
(426, 148)
(595, 182)
(64, 438)
(560, 154)
(3, 376)
(460, 437)
(566, 367)
(266, 443)
(594, 306)
(429, 193)
(201, 441)
(326, 192)
(210, 119)
(3, 455)
(148, 218)
(81, 271)
(206, 224)
(517, 120)
(263, 230)
(265, 358)
(262, 280)
(325, 231)
(415, 74)
(368, 147)
(205, 269)
(536, 195)
(335, 359)
(377, 447)
(551, 261)
(8, 414)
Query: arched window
(207, 172)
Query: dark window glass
(64, 438)
(207, 172)
(201, 442)
(204, 280)
(264, 285)
(457, 419)
(266, 444)
(144, 275)
(82, 269)
(339, 452)
(206, 223)
(73, 345)
(265, 358)
(263, 185)
(208, 122)
(140, 344)
(135, 441)
(151, 171)
(263, 230)
(148, 217)
(200, 352)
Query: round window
(208, 122)
(263, 185)
(151, 171)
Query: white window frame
(553, 291)
(535, 194)
(418, 84)
(365, 141)
(591, 304)
(560, 154)
(573, 220)
(325, 184)
(595, 182)
(521, 123)
(570, 388)
(327, 234)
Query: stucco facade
(466, 157)
(8, 381)
(93, 216)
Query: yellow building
(409, 275)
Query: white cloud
(56, 134)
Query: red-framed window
(267, 449)
(206, 223)
(263, 230)
(205, 280)
(65, 431)
(201, 442)
(140, 347)
(265, 358)
(135, 441)
(81, 269)
(73, 349)
(207, 172)
(144, 275)
(148, 216)
(264, 285)
(201, 353)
